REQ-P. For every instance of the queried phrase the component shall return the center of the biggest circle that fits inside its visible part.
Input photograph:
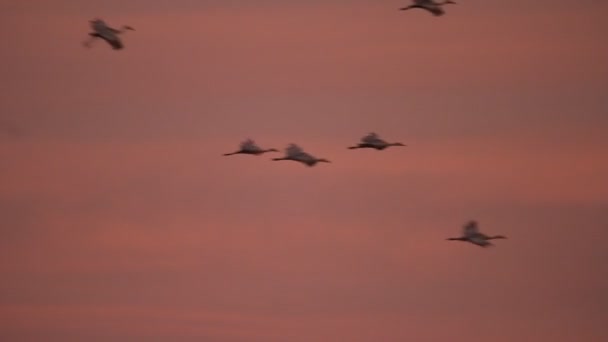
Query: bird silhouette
(430, 5)
(102, 31)
(471, 234)
(249, 147)
(295, 153)
(372, 140)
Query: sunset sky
(123, 222)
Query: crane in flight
(103, 31)
(249, 147)
(295, 153)
(372, 140)
(430, 5)
(471, 234)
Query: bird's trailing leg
(87, 43)
(408, 7)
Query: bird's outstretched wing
(435, 9)
(293, 150)
(427, 2)
(470, 228)
(370, 138)
(107, 33)
(114, 41)
(247, 143)
(305, 157)
(250, 145)
(431, 6)
(98, 25)
(373, 139)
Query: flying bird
(107, 33)
(372, 140)
(249, 147)
(430, 5)
(295, 153)
(471, 234)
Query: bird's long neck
(123, 29)
(494, 237)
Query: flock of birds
(101, 30)
(294, 152)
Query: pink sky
(122, 222)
